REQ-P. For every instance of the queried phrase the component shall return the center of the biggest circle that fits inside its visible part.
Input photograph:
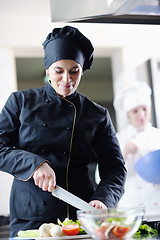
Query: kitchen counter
(142, 238)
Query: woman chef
(139, 138)
(48, 135)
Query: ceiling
(25, 8)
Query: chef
(136, 140)
(49, 134)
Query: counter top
(142, 238)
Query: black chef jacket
(37, 125)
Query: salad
(145, 230)
(66, 228)
(112, 228)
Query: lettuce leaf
(145, 230)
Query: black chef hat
(68, 43)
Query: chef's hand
(45, 178)
(98, 204)
(129, 148)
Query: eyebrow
(76, 66)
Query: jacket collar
(53, 94)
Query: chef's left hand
(98, 204)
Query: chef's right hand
(45, 178)
(129, 148)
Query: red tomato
(101, 231)
(71, 229)
(120, 231)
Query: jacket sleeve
(111, 164)
(17, 162)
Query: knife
(71, 199)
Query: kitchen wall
(96, 84)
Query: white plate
(83, 236)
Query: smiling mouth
(67, 86)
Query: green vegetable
(145, 230)
(116, 219)
(66, 221)
(69, 221)
(29, 233)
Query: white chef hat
(136, 94)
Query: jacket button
(44, 125)
(43, 203)
(65, 153)
(70, 105)
(47, 100)
(68, 128)
(42, 150)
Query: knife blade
(71, 199)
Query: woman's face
(139, 116)
(65, 76)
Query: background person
(138, 139)
(47, 136)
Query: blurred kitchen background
(127, 48)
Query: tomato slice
(101, 231)
(120, 231)
(70, 229)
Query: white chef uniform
(138, 192)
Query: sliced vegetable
(110, 226)
(100, 231)
(68, 221)
(29, 233)
(120, 231)
(70, 229)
